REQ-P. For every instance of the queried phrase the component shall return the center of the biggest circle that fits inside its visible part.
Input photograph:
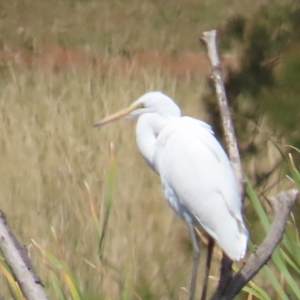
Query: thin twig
(19, 262)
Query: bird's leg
(210, 248)
(196, 256)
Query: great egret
(195, 172)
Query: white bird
(196, 174)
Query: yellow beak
(118, 115)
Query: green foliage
(285, 257)
(263, 91)
(13, 286)
(67, 278)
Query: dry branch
(229, 286)
(209, 40)
(282, 205)
(16, 257)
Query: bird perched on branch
(196, 175)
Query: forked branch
(229, 286)
(282, 205)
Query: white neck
(147, 129)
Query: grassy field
(64, 65)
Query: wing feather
(195, 169)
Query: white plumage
(195, 172)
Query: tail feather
(244, 235)
(235, 244)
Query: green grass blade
(258, 207)
(290, 261)
(57, 287)
(260, 291)
(293, 170)
(14, 287)
(277, 259)
(93, 211)
(279, 262)
(292, 245)
(49, 256)
(64, 270)
(255, 293)
(273, 280)
(71, 283)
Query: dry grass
(48, 147)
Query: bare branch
(14, 255)
(229, 285)
(22, 250)
(209, 40)
(282, 205)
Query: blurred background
(65, 64)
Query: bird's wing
(194, 167)
(187, 147)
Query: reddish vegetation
(56, 58)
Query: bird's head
(152, 102)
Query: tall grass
(50, 151)
(55, 167)
(56, 178)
